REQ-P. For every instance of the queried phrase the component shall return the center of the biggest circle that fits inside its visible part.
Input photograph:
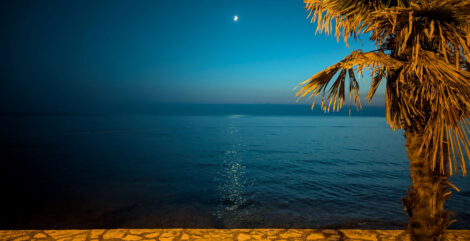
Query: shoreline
(214, 234)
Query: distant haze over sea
(214, 109)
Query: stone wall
(214, 234)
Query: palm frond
(358, 61)
(348, 16)
(440, 26)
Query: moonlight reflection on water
(234, 183)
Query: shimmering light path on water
(155, 171)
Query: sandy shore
(214, 234)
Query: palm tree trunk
(425, 201)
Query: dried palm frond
(440, 93)
(358, 60)
(441, 26)
(349, 16)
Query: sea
(206, 170)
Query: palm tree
(422, 53)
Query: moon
(235, 18)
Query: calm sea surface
(206, 171)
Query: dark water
(206, 171)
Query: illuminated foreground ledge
(214, 234)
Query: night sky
(91, 55)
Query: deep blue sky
(66, 55)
